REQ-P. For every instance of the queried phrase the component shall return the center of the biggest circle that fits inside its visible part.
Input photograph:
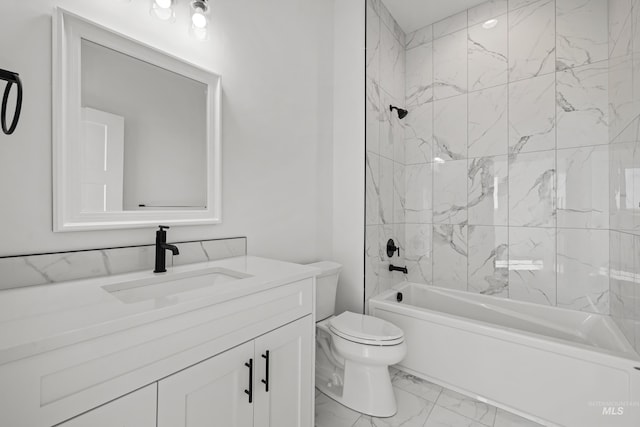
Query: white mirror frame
(69, 30)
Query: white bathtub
(551, 365)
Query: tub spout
(394, 268)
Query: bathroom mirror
(136, 133)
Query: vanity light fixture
(199, 18)
(198, 9)
(490, 24)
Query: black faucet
(394, 268)
(161, 247)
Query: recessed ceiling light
(490, 24)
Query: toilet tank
(326, 287)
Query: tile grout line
(508, 112)
(555, 112)
(430, 411)
(466, 181)
(433, 152)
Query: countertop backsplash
(41, 269)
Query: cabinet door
(211, 393)
(288, 403)
(137, 409)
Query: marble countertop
(37, 319)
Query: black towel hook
(11, 78)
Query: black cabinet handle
(250, 391)
(266, 380)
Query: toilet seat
(365, 329)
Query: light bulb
(163, 14)
(490, 24)
(162, 10)
(198, 19)
(199, 33)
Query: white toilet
(354, 351)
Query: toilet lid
(366, 329)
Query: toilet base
(366, 389)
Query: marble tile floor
(420, 404)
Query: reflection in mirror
(143, 138)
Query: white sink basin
(171, 283)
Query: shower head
(401, 113)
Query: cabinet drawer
(137, 409)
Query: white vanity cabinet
(137, 409)
(209, 393)
(290, 397)
(265, 382)
(170, 366)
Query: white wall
(275, 58)
(349, 151)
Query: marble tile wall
(386, 204)
(506, 153)
(624, 167)
(43, 269)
